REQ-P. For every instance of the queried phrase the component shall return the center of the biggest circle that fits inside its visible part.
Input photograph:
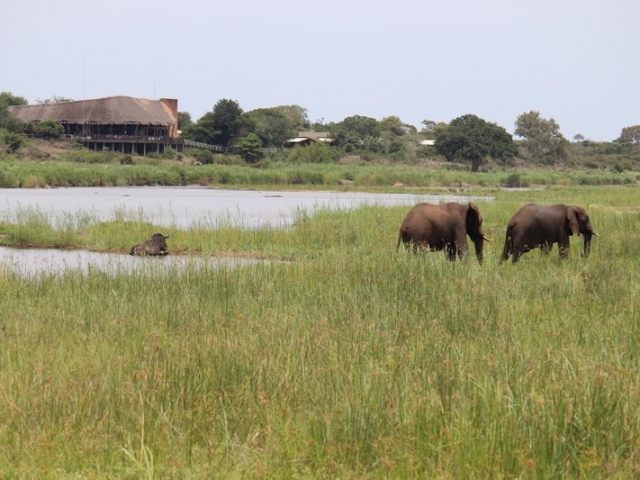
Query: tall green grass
(351, 360)
(104, 169)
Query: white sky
(577, 61)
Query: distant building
(122, 124)
(305, 138)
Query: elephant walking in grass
(536, 226)
(156, 245)
(443, 227)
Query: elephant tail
(399, 240)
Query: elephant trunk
(479, 244)
(587, 244)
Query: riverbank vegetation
(348, 360)
(60, 164)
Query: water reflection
(34, 262)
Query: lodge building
(120, 123)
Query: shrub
(13, 141)
(205, 157)
(48, 129)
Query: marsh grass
(104, 169)
(350, 361)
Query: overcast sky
(577, 61)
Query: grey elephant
(443, 227)
(536, 226)
(156, 245)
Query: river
(169, 207)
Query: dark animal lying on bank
(156, 245)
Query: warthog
(156, 245)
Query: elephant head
(578, 223)
(443, 227)
(473, 224)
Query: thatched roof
(104, 111)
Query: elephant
(156, 245)
(443, 227)
(536, 226)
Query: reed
(349, 360)
(104, 169)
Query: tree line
(468, 138)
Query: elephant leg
(451, 252)
(463, 253)
(564, 250)
(516, 254)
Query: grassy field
(347, 360)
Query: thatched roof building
(130, 125)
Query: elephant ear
(572, 218)
(474, 221)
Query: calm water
(192, 206)
(168, 207)
(35, 262)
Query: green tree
(271, 125)
(470, 138)
(249, 148)
(430, 128)
(218, 127)
(356, 132)
(184, 120)
(8, 121)
(542, 136)
(225, 120)
(629, 135)
(392, 127)
(296, 116)
(7, 99)
(203, 130)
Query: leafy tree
(249, 148)
(7, 99)
(218, 127)
(542, 136)
(225, 120)
(184, 120)
(578, 137)
(629, 135)
(391, 127)
(203, 130)
(7, 120)
(362, 126)
(470, 138)
(271, 125)
(430, 129)
(296, 116)
(355, 133)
